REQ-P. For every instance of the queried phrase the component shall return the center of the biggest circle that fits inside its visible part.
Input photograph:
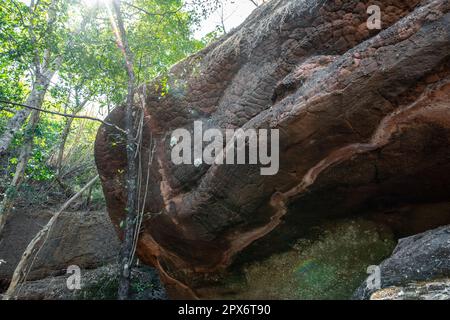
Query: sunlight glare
(95, 3)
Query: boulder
(421, 258)
(364, 124)
(85, 239)
(95, 284)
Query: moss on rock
(330, 267)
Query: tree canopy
(77, 39)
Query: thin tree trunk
(13, 126)
(66, 131)
(44, 72)
(35, 99)
(222, 17)
(25, 153)
(88, 198)
(131, 210)
(33, 248)
(62, 145)
(76, 141)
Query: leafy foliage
(81, 34)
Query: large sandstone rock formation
(86, 239)
(364, 117)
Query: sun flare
(94, 3)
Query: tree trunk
(35, 99)
(62, 145)
(131, 183)
(66, 131)
(25, 153)
(88, 198)
(44, 73)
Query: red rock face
(364, 118)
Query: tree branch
(57, 113)
(151, 13)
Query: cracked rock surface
(364, 119)
(418, 268)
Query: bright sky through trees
(234, 13)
